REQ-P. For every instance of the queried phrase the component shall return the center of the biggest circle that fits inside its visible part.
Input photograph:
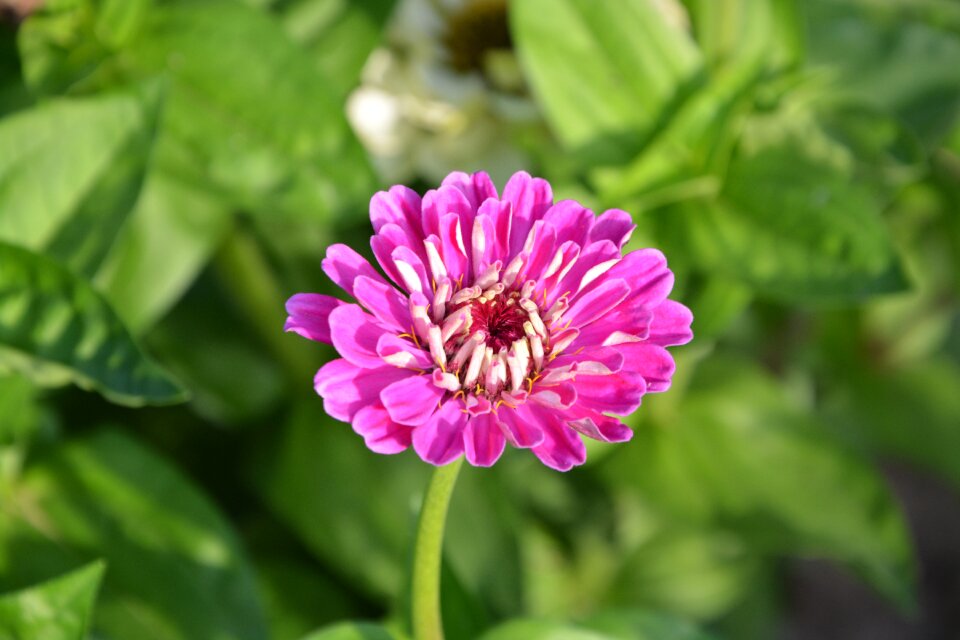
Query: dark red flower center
(501, 319)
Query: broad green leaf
(19, 412)
(176, 568)
(59, 609)
(259, 122)
(53, 323)
(542, 630)
(741, 455)
(792, 225)
(604, 72)
(890, 57)
(339, 34)
(912, 414)
(170, 235)
(353, 631)
(743, 31)
(644, 625)
(81, 156)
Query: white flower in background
(444, 92)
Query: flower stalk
(425, 597)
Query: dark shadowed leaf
(740, 454)
(176, 568)
(644, 625)
(53, 325)
(59, 609)
(353, 631)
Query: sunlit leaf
(59, 609)
(644, 625)
(604, 72)
(53, 323)
(176, 568)
(81, 156)
(353, 631)
(542, 630)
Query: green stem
(425, 599)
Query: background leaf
(59, 609)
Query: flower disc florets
(514, 320)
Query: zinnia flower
(513, 319)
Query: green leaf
(82, 156)
(542, 630)
(177, 570)
(739, 455)
(353, 631)
(257, 122)
(644, 625)
(19, 409)
(604, 72)
(55, 324)
(794, 225)
(168, 239)
(59, 609)
(743, 31)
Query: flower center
(501, 318)
(473, 31)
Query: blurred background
(171, 171)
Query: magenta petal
(614, 225)
(399, 206)
(519, 433)
(384, 302)
(501, 213)
(620, 393)
(561, 449)
(397, 352)
(594, 304)
(439, 441)
(645, 270)
(347, 388)
(476, 187)
(453, 242)
(558, 396)
(380, 433)
(483, 442)
(593, 259)
(354, 334)
(343, 265)
(413, 274)
(310, 315)
(541, 246)
(598, 426)
(413, 400)
(530, 197)
(571, 220)
(651, 361)
(671, 324)
(442, 201)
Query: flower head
(513, 319)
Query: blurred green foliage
(171, 171)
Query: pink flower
(513, 319)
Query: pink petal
(399, 206)
(501, 213)
(412, 401)
(596, 303)
(558, 396)
(627, 323)
(598, 426)
(561, 449)
(384, 302)
(439, 441)
(380, 433)
(397, 352)
(571, 220)
(483, 442)
(453, 244)
(590, 361)
(354, 334)
(530, 197)
(520, 433)
(310, 315)
(620, 393)
(440, 202)
(343, 265)
(409, 266)
(614, 225)
(645, 270)
(385, 242)
(595, 257)
(671, 324)
(476, 187)
(651, 361)
(541, 246)
(347, 388)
